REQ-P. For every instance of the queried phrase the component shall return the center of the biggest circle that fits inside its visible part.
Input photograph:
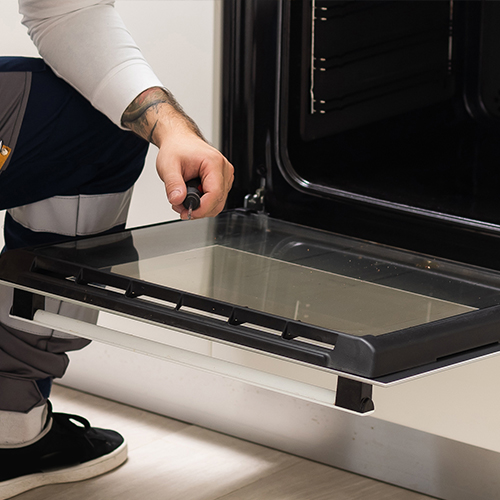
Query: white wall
(14, 39)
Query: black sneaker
(67, 452)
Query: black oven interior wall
(379, 119)
(398, 101)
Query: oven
(361, 238)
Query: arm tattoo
(141, 116)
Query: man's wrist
(149, 109)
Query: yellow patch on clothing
(4, 154)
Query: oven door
(369, 313)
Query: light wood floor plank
(172, 460)
(313, 481)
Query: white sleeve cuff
(121, 87)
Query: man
(68, 162)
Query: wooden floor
(173, 460)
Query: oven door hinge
(255, 202)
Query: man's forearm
(146, 111)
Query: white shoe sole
(101, 465)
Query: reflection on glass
(291, 290)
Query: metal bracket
(255, 202)
(354, 395)
(25, 304)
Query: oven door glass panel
(316, 277)
(294, 290)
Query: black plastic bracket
(354, 395)
(25, 304)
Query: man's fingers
(216, 185)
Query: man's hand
(183, 153)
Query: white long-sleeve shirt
(87, 44)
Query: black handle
(193, 195)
